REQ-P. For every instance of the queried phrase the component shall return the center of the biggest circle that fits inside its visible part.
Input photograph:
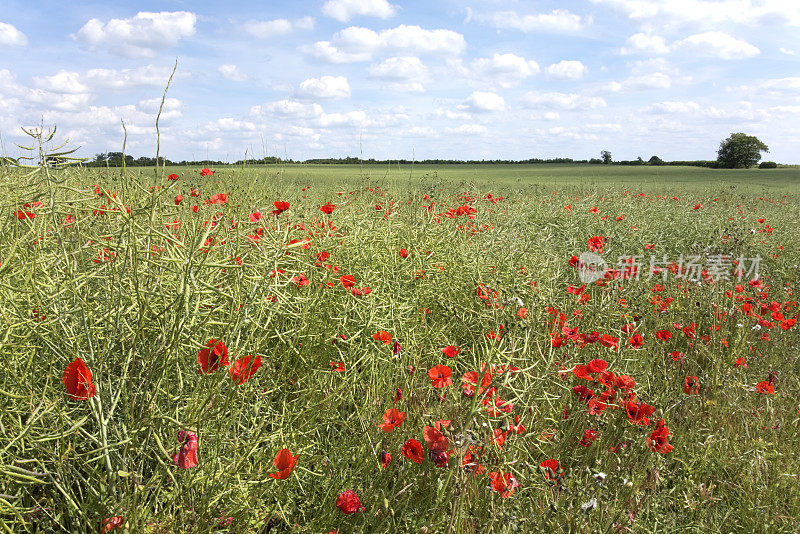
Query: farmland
(165, 339)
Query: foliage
(767, 165)
(740, 151)
(606, 155)
(148, 292)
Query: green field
(104, 265)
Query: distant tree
(740, 151)
(768, 165)
(655, 160)
(606, 155)
(595, 161)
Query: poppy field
(371, 349)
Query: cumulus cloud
(404, 73)
(504, 69)
(484, 101)
(749, 12)
(674, 107)
(717, 44)
(567, 70)
(232, 72)
(11, 36)
(63, 81)
(779, 88)
(361, 44)
(326, 87)
(143, 35)
(643, 43)
(265, 29)
(563, 101)
(124, 79)
(557, 21)
(344, 10)
(288, 108)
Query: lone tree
(740, 151)
(606, 156)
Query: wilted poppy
(440, 376)
(243, 368)
(503, 483)
(348, 502)
(412, 449)
(384, 457)
(392, 418)
(186, 457)
(77, 379)
(213, 357)
(284, 462)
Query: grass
(139, 316)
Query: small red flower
(327, 209)
(284, 462)
(172, 177)
(186, 457)
(740, 362)
(392, 418)
(657, 441)
(337, 367)
(243, 368)
(451, 351)
(348, 502)
(691, 386)
(213, 357)
(766, 387)
(384, 458)
(280, 207)
(77, 379)
(638, 412)
(440, 376)
(382, 336)
(663, 335)
(111, 523)
(403, 253)
(255, 216)
(347, 281)
(522, 313)
(178, 199)
(412, 449)
(206, 172)
(503, 483)
(552, 470)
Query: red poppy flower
(243, 368)
(657, 441)
(213, 357)
(552, 471)
(636, 342)
(610, 341)
(691, 386)
(172, 177)
(186, 457)
(589, 435)
(111, 523)
(327, 209)
(440, 376)
(348, 502)
(384, 457)
(498, 437)
(740, 362)
(503, 483)
(392, 418)
(766, 387)
(412, 449)
(337, 367)
(255, 216)
(596, 244)
(23, 215)
(178, 199)
(470, 382)
(663, 335)
(403, 253)
(284, 462)
(597, 366)
(280, 207)
(77, 379)
(451, 351)
(347, 281)
(206, 172)
(638, 412)
(522, 313)
(382, 336)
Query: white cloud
(557, 21)
(361, 44)
(344, 10)
(484, 101)
(504, 69)
(140, 36)
(406, 73)
(674, 107)
(265, 29)
(642, 43)
(11, 36)
(112, 79)
(717, 44)
(64, 82)
(564, 101)
(289, 108)
(469, 129)
(749, 12)
(787, 51)
(780, 88)
(450, 114)
(653, 80)
(327, 87)
(567, 70)
(232, 72)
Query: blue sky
(402, 79)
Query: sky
(404, 79)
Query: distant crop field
(485, 348)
